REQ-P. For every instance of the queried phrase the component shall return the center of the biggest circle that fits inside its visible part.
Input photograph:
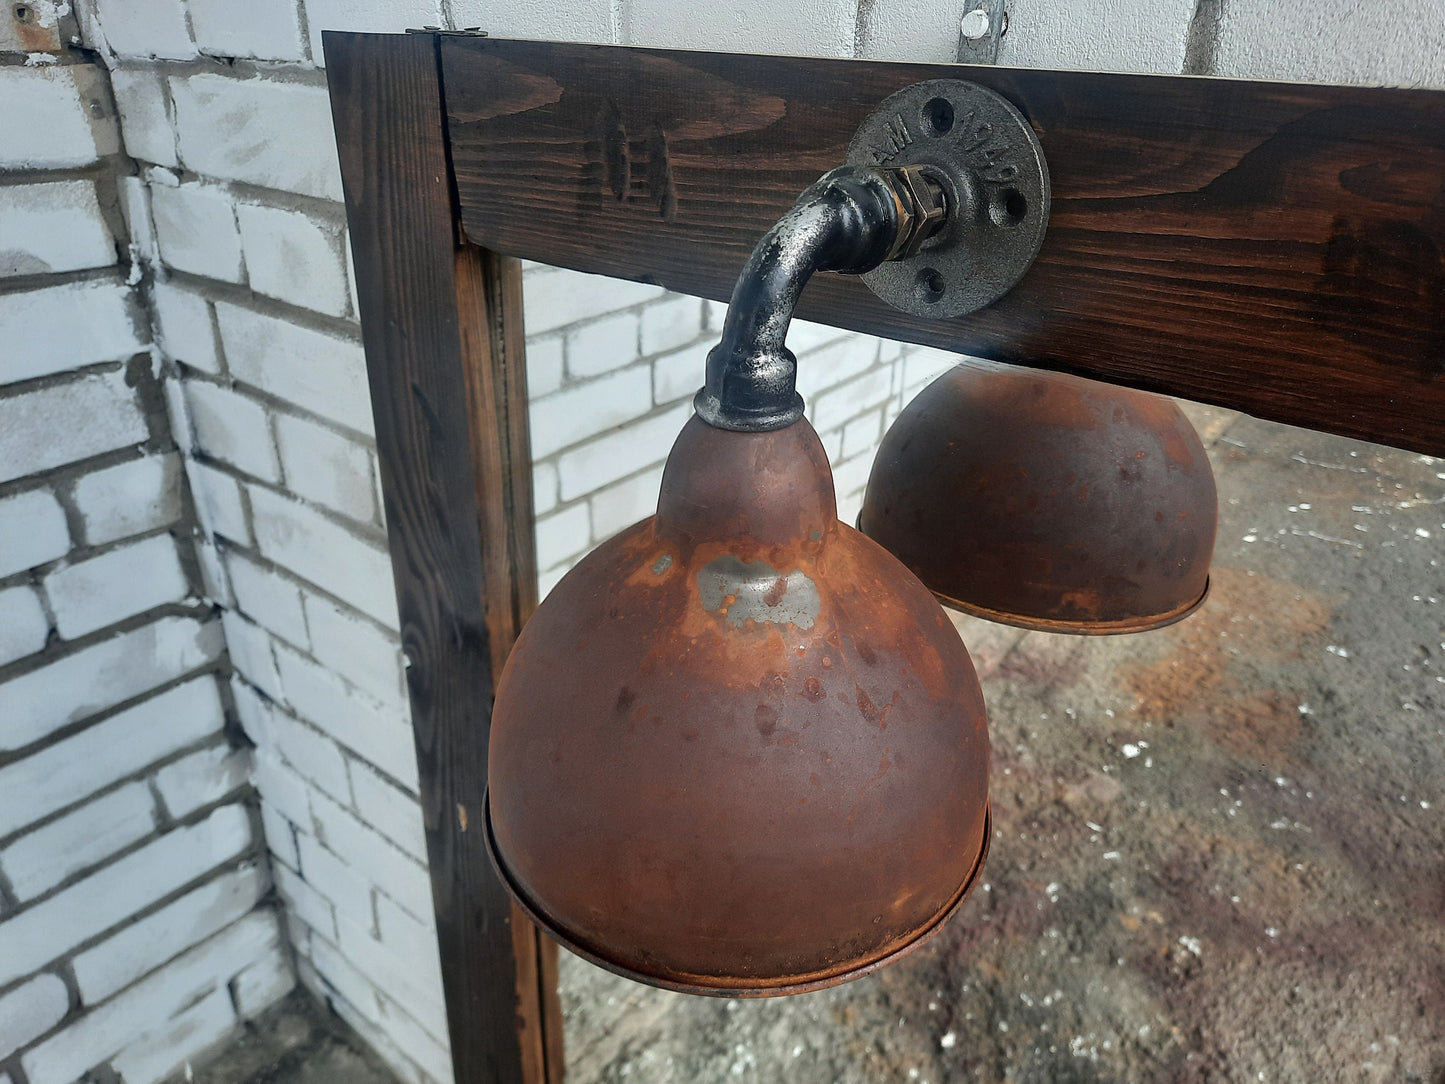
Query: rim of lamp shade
(1080, 628)
(817, 980)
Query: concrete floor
(298, 1041)
(1220, 848)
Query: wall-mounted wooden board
(1275, 248)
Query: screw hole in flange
(938, 116)
(1008, 207)
(929, 285)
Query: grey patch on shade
(758, 591)
(662, 564)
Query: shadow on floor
(296, 1040)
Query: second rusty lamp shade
(1047, 501)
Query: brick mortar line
(366, 532)
(44, 280)
(272, 402)
(237, 69)
(331, 944)
(166, 824)
(295, 579)
(330, 213)
(347, 751)
(249, 854)
(140, 775)
(234, 293)
(57, 649)
(68, 474)
(215, 666)
(94, 171)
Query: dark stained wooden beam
(1275, 248)
(442, 327)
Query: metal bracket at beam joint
(982, 26)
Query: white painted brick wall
(577, 20)
(220, 505)
(588, 409)
(267, 596)
(161, 1051)
(358, 650)
(123, 744)
(196, 229)
(59, 328)
(379, 735)
(23, 624)
(600, 462)
(335, 879)
(113, 797)
(316, 371)
(545, 367)
(1101, 35)
(324, 552)
(295, 257)
(383, 864)
(202, 778)
(50, 118)
(232, 428)
(804, 27)
(264, 132)
(131, 1022)
(32, 529)
(555, 298)
(101, 675)
(671, 324)
(262, 984)
(145, 28)
(251, 653)
(83, 417)
(327, 467)
(309, 752)
(1334, 42)
(140, 98)
(125, 581)
(261, 29)
(389, 809)
(30, 1010)
(37, 936)
(55, 226)
(43, 858)
(185, 327)
(602, 345)
(128, 499)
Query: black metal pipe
(847, 221)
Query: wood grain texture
(442, 330)
(1274, 248)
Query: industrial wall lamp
(740, 749)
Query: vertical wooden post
(442, 324)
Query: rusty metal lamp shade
(1047, 501)
(739, 749)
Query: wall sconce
(740, 749)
